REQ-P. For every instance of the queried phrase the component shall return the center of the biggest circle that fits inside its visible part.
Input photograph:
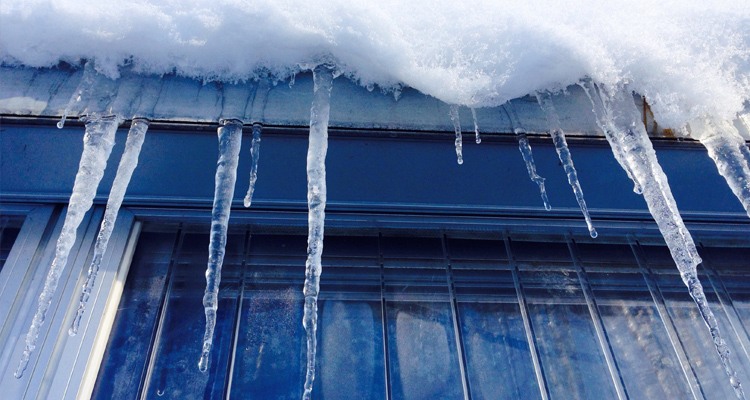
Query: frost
(97, 146)
(128, 162)
(316, 203)
(230, 138)
(525, 147)
(457, 128)
(730, 153)
(561, 145)
(628, 135)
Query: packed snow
(689, 58)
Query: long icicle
(728, 150)
(316, 203)
(525, 148)
(638, 153)
(477, 138)
(606, 126)
(87, 80)
(255, 154)
(230, 140)
(459, 137)
(97, 146)
(561, 145)
(128, 162)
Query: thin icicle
(525, 147)
(316, 203)
(254, 153)
(230, 139)
(606, 126)
(86, 82)
(97, 145)
(630, 135)
(728, 150)
(476, 126)
(128, 162)
(561, 145)
(457, 128)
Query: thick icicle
(128, 162)
(525, 147)
(638, 153)
(97, 146)
(230, 138)
(606, 126)
(561, 145)
(316, 203)
(86, 82)
(457, 128)
(254, 153)
(476, 126)
(728, 150)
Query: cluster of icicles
(616, 115)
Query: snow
(688, 58)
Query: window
(425, 315)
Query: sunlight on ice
(128, 162)
(255, 154)
(457, 129)
(525, 148)
(561, 145)
(230, 139)
(97, 146)
(316, 203)
(626, 133)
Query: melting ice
(316, 203)
(97, 146)
(457, 129)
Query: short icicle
(629, 134)
(230, 138)
(561, 145)
(316, 203)
(525, 148)
(128, 162)
(97, 146)
(83, 86)
(459, 137)
(254, 153)
(476, 126)
(728, 150)
(606, 126)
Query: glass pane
(423, 355)
(497, 353)
(175, 373)
(120, 374)
(9, 229)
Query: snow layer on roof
(688, 58)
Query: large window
(425, 316)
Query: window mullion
(238, 316)
(454, 313)
(384, 319)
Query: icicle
(525, 147)
(457, 128)
(316, 203)
(728, 150)
(97, 145)
(291, 80)
(606, 126)
(631, 137)
(561, 145)
(476, 126)
(230, 138)
(86, 82)
(254, 153)
(128, 162)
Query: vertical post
(535, 358)
(383, 311)
(454, 313)
(237, 316)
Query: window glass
(9, 229)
